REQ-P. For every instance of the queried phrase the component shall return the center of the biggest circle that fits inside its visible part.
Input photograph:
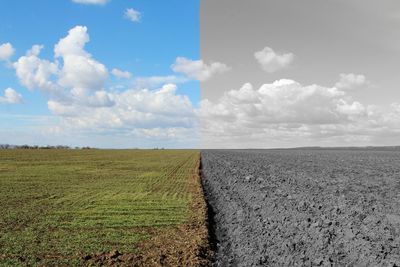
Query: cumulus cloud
(156, 81)
(272, 61)
(91, 2)
(121, 74)
(73, 76)
(80, 70)
(10, 97)
(75, 84)
(281, 113)
(284, 101)
(351, 81)
(133, 109)
(6, 51)
(197, 69)
(133, 15)
(285, 112)
(36, 73)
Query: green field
(59, 204)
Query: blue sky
(145, 48)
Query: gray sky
(359, 39)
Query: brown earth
(183, 245)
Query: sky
(200, 74)
(302, 73)
(111, 82)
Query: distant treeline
(7, 146)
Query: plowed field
(304, 207)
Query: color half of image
(98, 73)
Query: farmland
(73, 207)
(304, 207)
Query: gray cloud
(198, 69)
(286, 113)
(272, 61)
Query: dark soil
(304, 207)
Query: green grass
(59, 203)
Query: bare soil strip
(183, 245)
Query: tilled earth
(304, 207)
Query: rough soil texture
(304, 207)
(184, 245)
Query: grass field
(59, 204)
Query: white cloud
(78, 77)
(36, 73)
(85, 104)
(6, 51)
(133, 109)
(80, 70)
(75, 84)
(351, 81)
(197, 69)
(133, 15)
(272, 61)
(156, 81)
(121, 74)
(286, 114)
(10, 97)
(174, 133)
(83, 72)
(73, 43)
(91, 2)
